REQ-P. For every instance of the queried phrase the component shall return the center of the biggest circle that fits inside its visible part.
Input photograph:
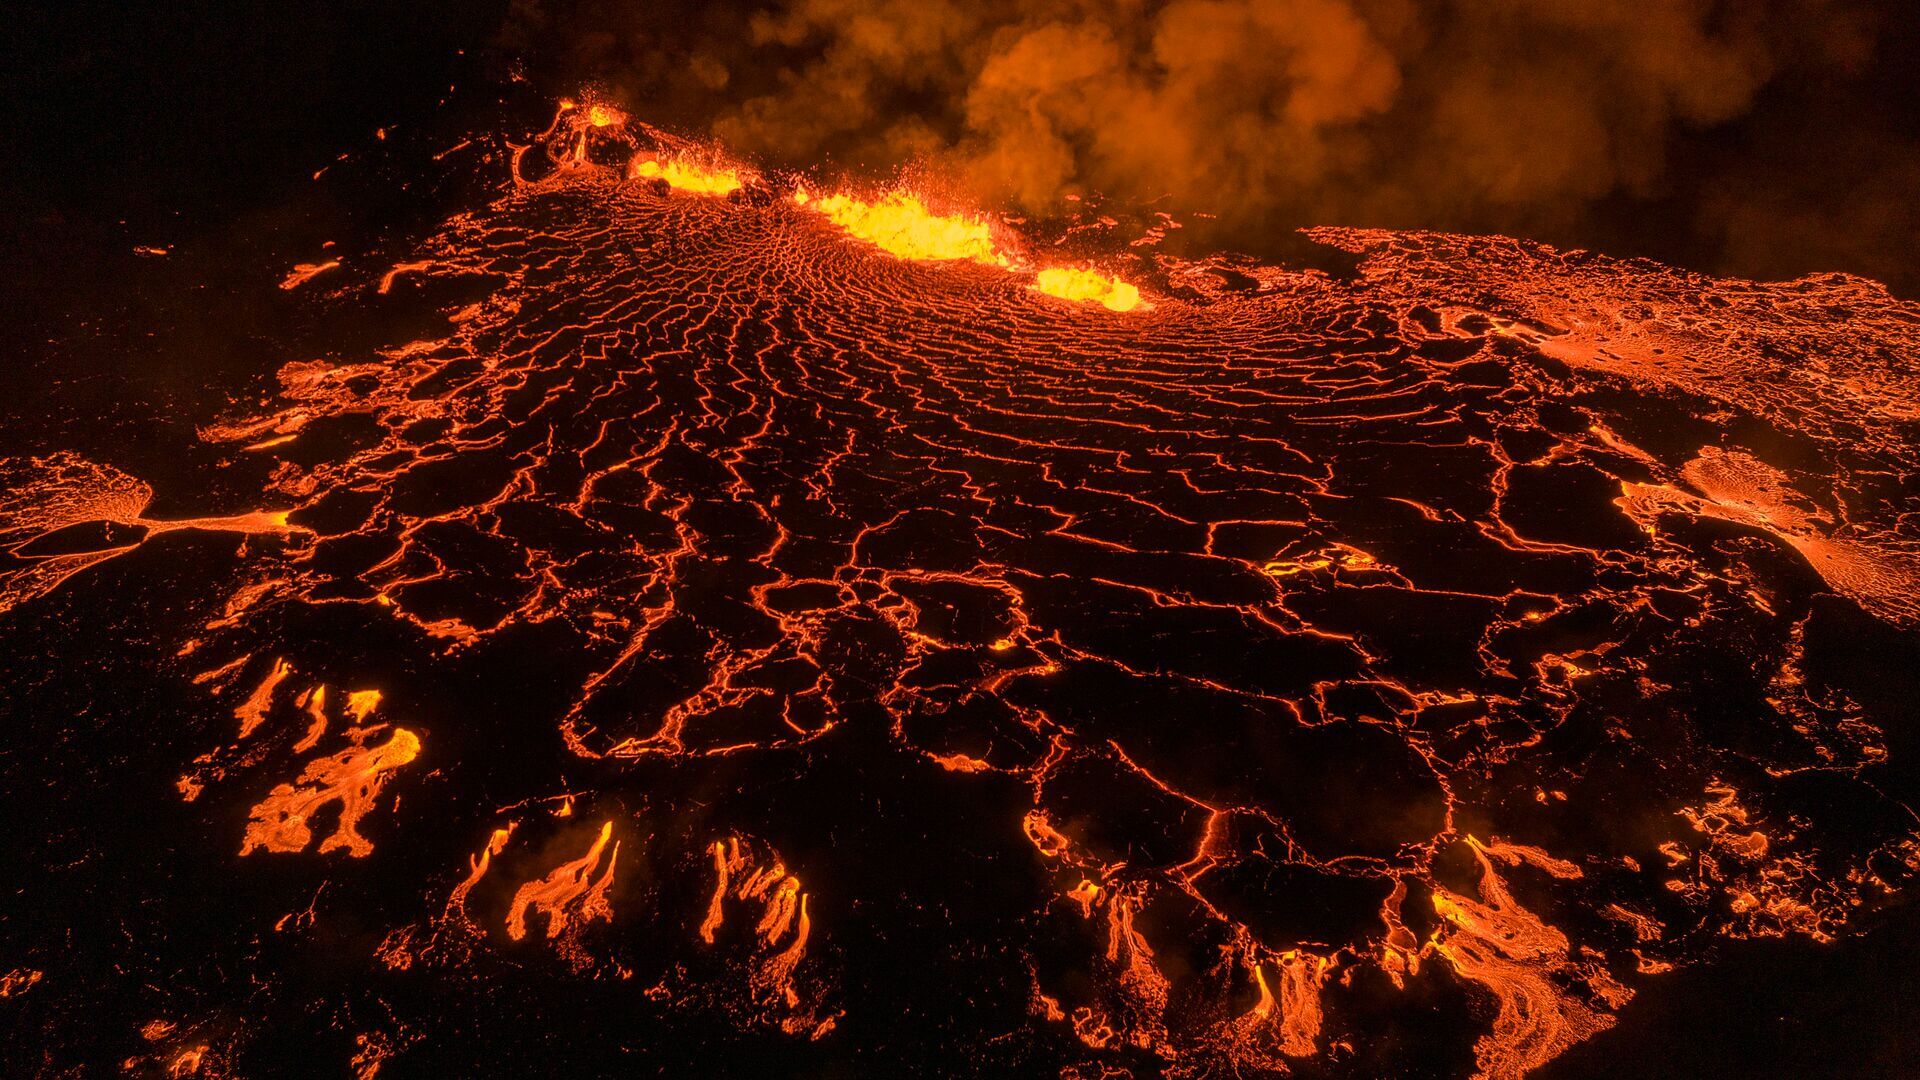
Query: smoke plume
(1510, 115)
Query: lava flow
(901, 225)
(1149, 665)
(687, 175)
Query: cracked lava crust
(737, 629)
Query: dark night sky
(194, 115)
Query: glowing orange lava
(900, 224)
(41, 496)
(682, 174)
(1742, 489)
(743, 878)
(353, 778)
(1266, 597)
(361, 703)
(19, 981)
(1288, 1022)
(570, 895)
(1074, 283)
(305, 272)
(1519, 959)
(315, 703)
(254, 710)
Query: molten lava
(1123, 688)
(570, 895)
(686, 175)
(901, 225)
(352, 778)
(1072, 283)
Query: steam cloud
(1495, 114)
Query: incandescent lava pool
(670, 619)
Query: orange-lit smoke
(1468, 116)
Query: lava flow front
(729, 620)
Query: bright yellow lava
(687, 176)
(1070, 283)
(901, 225)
